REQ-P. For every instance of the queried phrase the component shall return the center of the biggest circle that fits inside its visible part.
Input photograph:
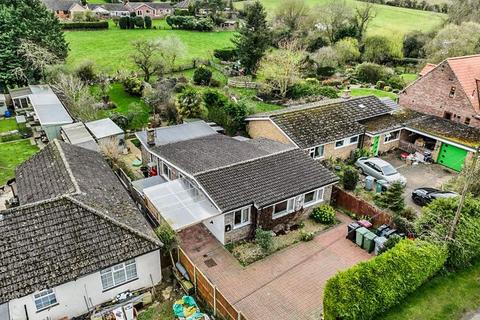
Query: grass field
(356, 92)
(446, 297)
(8, 125)
(111, 49)
(409, 77)
(11, 155)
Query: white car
(380, 170)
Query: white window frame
(168, 174)
(290, 208)
(388, 134)
(347, 141)
(120, 269)
(318, 197)
(245, 211)
(312, 150)
(45, 295)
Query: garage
(452, 157)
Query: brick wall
(239, 233)
(382, 146)
(266, 129)
(341, 153)
(431, 95)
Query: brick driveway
(286, 285)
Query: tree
(414, 44)
(381, 49)
(454, 40)
(325, 61)
(361, 18)
(290, 16)
(159, 98)
(281, 68)
(253, 38)
(202, 76)
(461, 11)
(333, 16)
(189, 104)
(171, 48)
(392, 198)
(147, 58)
(347, 50)
(28, 22)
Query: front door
(375, 145)
(452, 157)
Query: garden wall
(360, 207)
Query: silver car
(380, 170)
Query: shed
(77, 134)
(3, 104)
(105, 129)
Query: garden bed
(247, 252)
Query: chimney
(346, 94)
(150, 136)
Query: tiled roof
(312, 124)
(63, 5)
(428, 67)
(467, 71)
(265, 180)
(55, 241)
(390, 122)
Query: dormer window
(452, 92)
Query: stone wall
(431, 95)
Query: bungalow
(77, 239)
(323, 129)
(233, 186)
(154, 10)
(110, 9)
(65, 9)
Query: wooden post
(214, 300)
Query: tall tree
(27, 22)
(333, 16)
(147, 58)
(464, 11)
(253, 38)
(361, 18)
(290, 16)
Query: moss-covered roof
(388, 122)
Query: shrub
(392, 198)
(264, 239)
(381, 49)
(139, 22)
(86, 71)
(124, 22)
(347, 50)
(226, 54)
(370, 288)
(132, 85)
(309, 88)
(396, 82)
(189, 103)
(148, 22)
(166, 235)
(190, 23)
(387, 89)
(306, 236)
(202, 76)
(350, 178)
(229, 115)
(391, 242)
(324, 214)
(84, 25)
(380, 85)
(371, 72)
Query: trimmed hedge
(83, 25)
(190, 23)
(370, 288)
(226, 54)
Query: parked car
(380, 170)
(423, 196)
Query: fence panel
(224, 308)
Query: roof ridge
(463, 57)
(67, 167)
(114, 221)
(245, 161)
(33, 204)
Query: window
(452, 92)
(118, 274)
(313, 197)
(339, 143)
(467, 121)
(317, 152)
(447, 115)
(346, 142)
(353, 140)
(283, 208)
(241, 217)
(45, 299)
(392, 136)
(166, 171)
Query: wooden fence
(208, 292)
(242, 84)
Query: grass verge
(8, 125)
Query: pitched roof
(182, 4)
(426, 69)
(326, 121)
(467, 71)
(109, 6)
(265, 180)
(103, 128)
(63, 5)
(48, 243)
(389, 122)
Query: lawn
(111, 49)
(11, 155)
(357, 92)
(8, 125)
(445, 297)
(388, 20)
(409, 77)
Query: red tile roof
(429, 67)
(467, 71)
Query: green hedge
(372, 287)
(84, 25)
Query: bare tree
(147, 58)
(363, 15)
(171, 49)
(110, 149)
(37, 57)
(291, 15)
(333, 16)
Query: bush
(189, 103)
(190, 23)
(350, 178)
(381, 49)
(347, 50)
(226, 54)
(166, 235)
(133, 85)
(310, 88)
(391, 242)
(264, 239)
(387, 89)
(324, 214)
(139, 22)
(396, 82)
(124, 22)
(392, 198)
(371, 288)
(148, 22)
(202, 76)
(86, 71)
(84, 25)
(306, 236)
(229, 115)
(371, 72)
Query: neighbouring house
(449, 90)
(232, 186)
(110, 9)
(65, 9)
(77, 239)
(104, 130)
(77, 134)
(155, 10)
(43, 108)
(324, 129)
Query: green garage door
(452, 157)
(375, 145)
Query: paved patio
(286, 285)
